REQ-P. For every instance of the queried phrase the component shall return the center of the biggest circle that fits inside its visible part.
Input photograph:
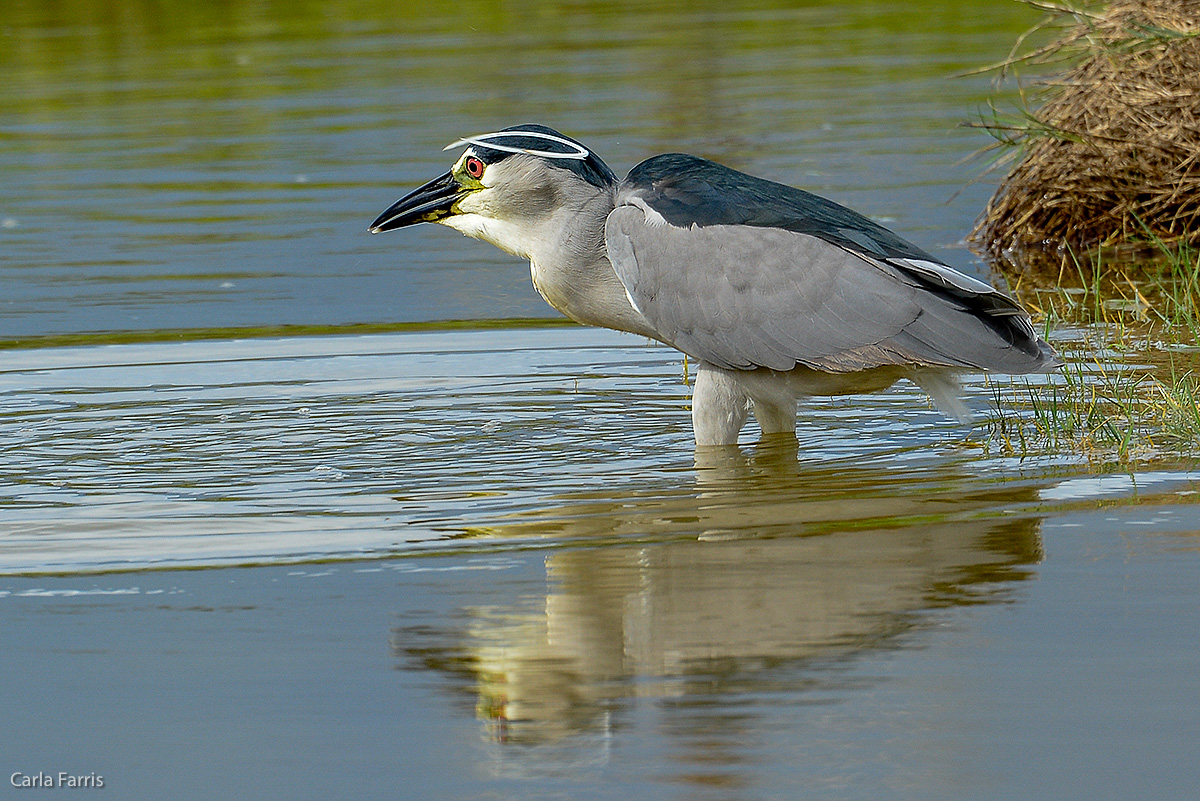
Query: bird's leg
(719, 407)
(776, 417)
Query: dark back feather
(691, 192)
(688, 190)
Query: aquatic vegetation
(1131, 387)
(1095, 228)
(1102, 412)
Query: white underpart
(945, 391)
(722, 400)
(503, 234)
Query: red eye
(474, 167)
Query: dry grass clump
(1112, 156)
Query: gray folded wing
(745, 296)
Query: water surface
(487, 563)
(261, 450)
(168, 166)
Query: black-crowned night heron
(775, 292)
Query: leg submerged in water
(719, 407)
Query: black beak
(428, 203)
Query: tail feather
(945, 391)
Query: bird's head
(505, 187)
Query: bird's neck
(567, 256)
(572, 272)
(588, 293)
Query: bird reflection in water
(768, 577)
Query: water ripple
(208, 453)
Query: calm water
(486, 563)
(174, 166)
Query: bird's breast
(588, 293)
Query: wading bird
(775, 292)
